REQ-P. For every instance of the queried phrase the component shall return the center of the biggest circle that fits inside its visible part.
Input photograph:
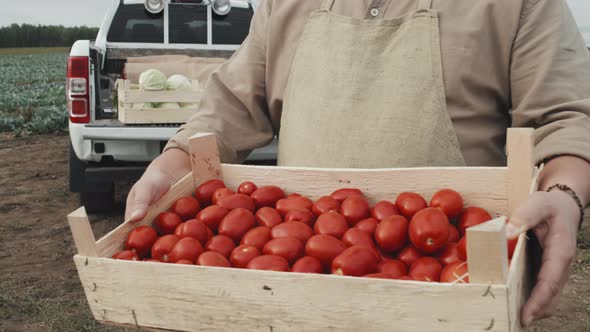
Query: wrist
(565, 198)
(174, 164)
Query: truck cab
(104, 150)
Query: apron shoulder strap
(327, 5)
(424, 4)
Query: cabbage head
(152, 80)
(179, 83)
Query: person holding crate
(381, 83)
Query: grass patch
(33, 50)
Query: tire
(98, 202)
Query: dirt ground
(39, 288)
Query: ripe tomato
(209, 234)
(325, 248)
(449, 201)
(383, 209)
(269, 217)
(392, 233)
(267, 196)
(355, 209)
(187, 248)
(247, 188)
(300, 215)
(126, 255)
(163, 246)
(325, 204)
(453, 233)
(185, 261)
(213, 258)
(409, 255)
(449, 254)
(368, 225)
(307, 264)
(242, 255)
(410, 203)
(426, 269)
(285, 205)
(193, 228)
(393, 267)
(331, 223)
(204, 192)
(237, 223)
(222, 244)
(257, 237)
(212, 215)
(341, 194)
(141, 240)
(269, 263)
(379, 275)
(511, 246)
(289, 248)
(472, 216)
(355, 261)
(166, 222)
(235, 201)
(221, 193)
(294, 229)
(455, 272)
(429, 230)
(186, 207)
(357, 237)
(462, 248)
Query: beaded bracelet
(573, 194)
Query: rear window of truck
(188, 24)
(232, 28)
(133, 24)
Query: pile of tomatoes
(266, 229)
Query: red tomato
(166, 222)
(141, 240)
(247, 188)
(379, 275)
(455, 272)
(449, 254)
(300, 215)
(331, 223)
(449, 201)
(185, 261)
(426, 269)
(209, 234)
(392, 233)
(384, 209)
(163, 246)
(307, 264)
(293, 203)
(213, 258)
(429, 230)
(186, 207)
(368, 225)
(222, 244)
(204, 192)
(355, 209)
(355, 261)
(193, 228)
(410, 203)
(237, 223)
(294, 229)
(269, 263)
(242, 255)
(267, 196)
(409, 255)
(325, 248)
(325, 204)
(341, 194)
(511, 246)
(235, 201)
(257, 237)
(289, 248)
(221, 193)
(269, 217)
(462, 248)
(453, 233)
(212, 215)
(472, 216)
(393, 267)
(357, 237)
(187, 248)
(126, 255)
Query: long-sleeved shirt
(506, 63)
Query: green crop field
(32, 82)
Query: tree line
(27, 35)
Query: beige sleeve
(234, 106)
(550, 80)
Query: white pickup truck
(103, 150)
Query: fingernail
(511, 230)
(136, 214)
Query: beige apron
(368, 94)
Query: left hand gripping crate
(196, 298)
(131, 102)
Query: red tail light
(77, 89)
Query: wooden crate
(195, 298)
(129, 97)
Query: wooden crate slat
(487, 254)
(139, 96)
(156, 115)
